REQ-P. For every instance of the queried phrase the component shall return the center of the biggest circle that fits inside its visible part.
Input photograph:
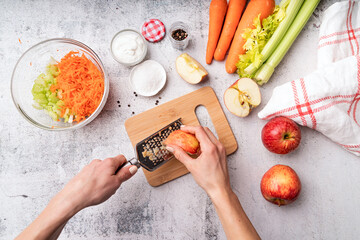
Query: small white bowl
(136, 61)
(153, 77)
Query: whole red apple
(281, 135)
(187, 141)
(280, 185)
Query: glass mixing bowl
(32, 63)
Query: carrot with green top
(217, 13)
(253, 9)
(232, 19)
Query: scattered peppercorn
(118, 101)
(128, 105)
(133, 113)
(179, 34)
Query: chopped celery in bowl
(45, 99)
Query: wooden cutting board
(144, 124)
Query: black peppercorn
(179, 34)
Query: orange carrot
(81, 84)
(253, 9)
(217, 13)
(232, 19)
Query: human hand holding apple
(209, 169)
(210, 172)
(281, 135)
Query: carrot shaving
(81, 84)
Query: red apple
(281, 135)
(280, 185)
(187, 141)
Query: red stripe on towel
(307, 104)
(316, 101)
(297, 102)
(349, 30)
(337, 34)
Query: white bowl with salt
(148, 78)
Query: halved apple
(242, 96)
(189, 69)
(234, 104)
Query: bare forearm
(57, 233)
(232, 216)
(95, 183)
(51, 221)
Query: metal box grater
(150, 152)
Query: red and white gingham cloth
(339, 32)
(153, 30)
(327, 99)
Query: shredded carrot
(19, 40)
(81, 84)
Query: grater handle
(132, 161)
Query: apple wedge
(189, 69)
(242, 96)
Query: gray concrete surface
(35, 164)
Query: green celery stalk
(265, 72)
(291, 10)
(284, 3)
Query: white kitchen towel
(327, 99)
(339, 32)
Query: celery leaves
(257, 39)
